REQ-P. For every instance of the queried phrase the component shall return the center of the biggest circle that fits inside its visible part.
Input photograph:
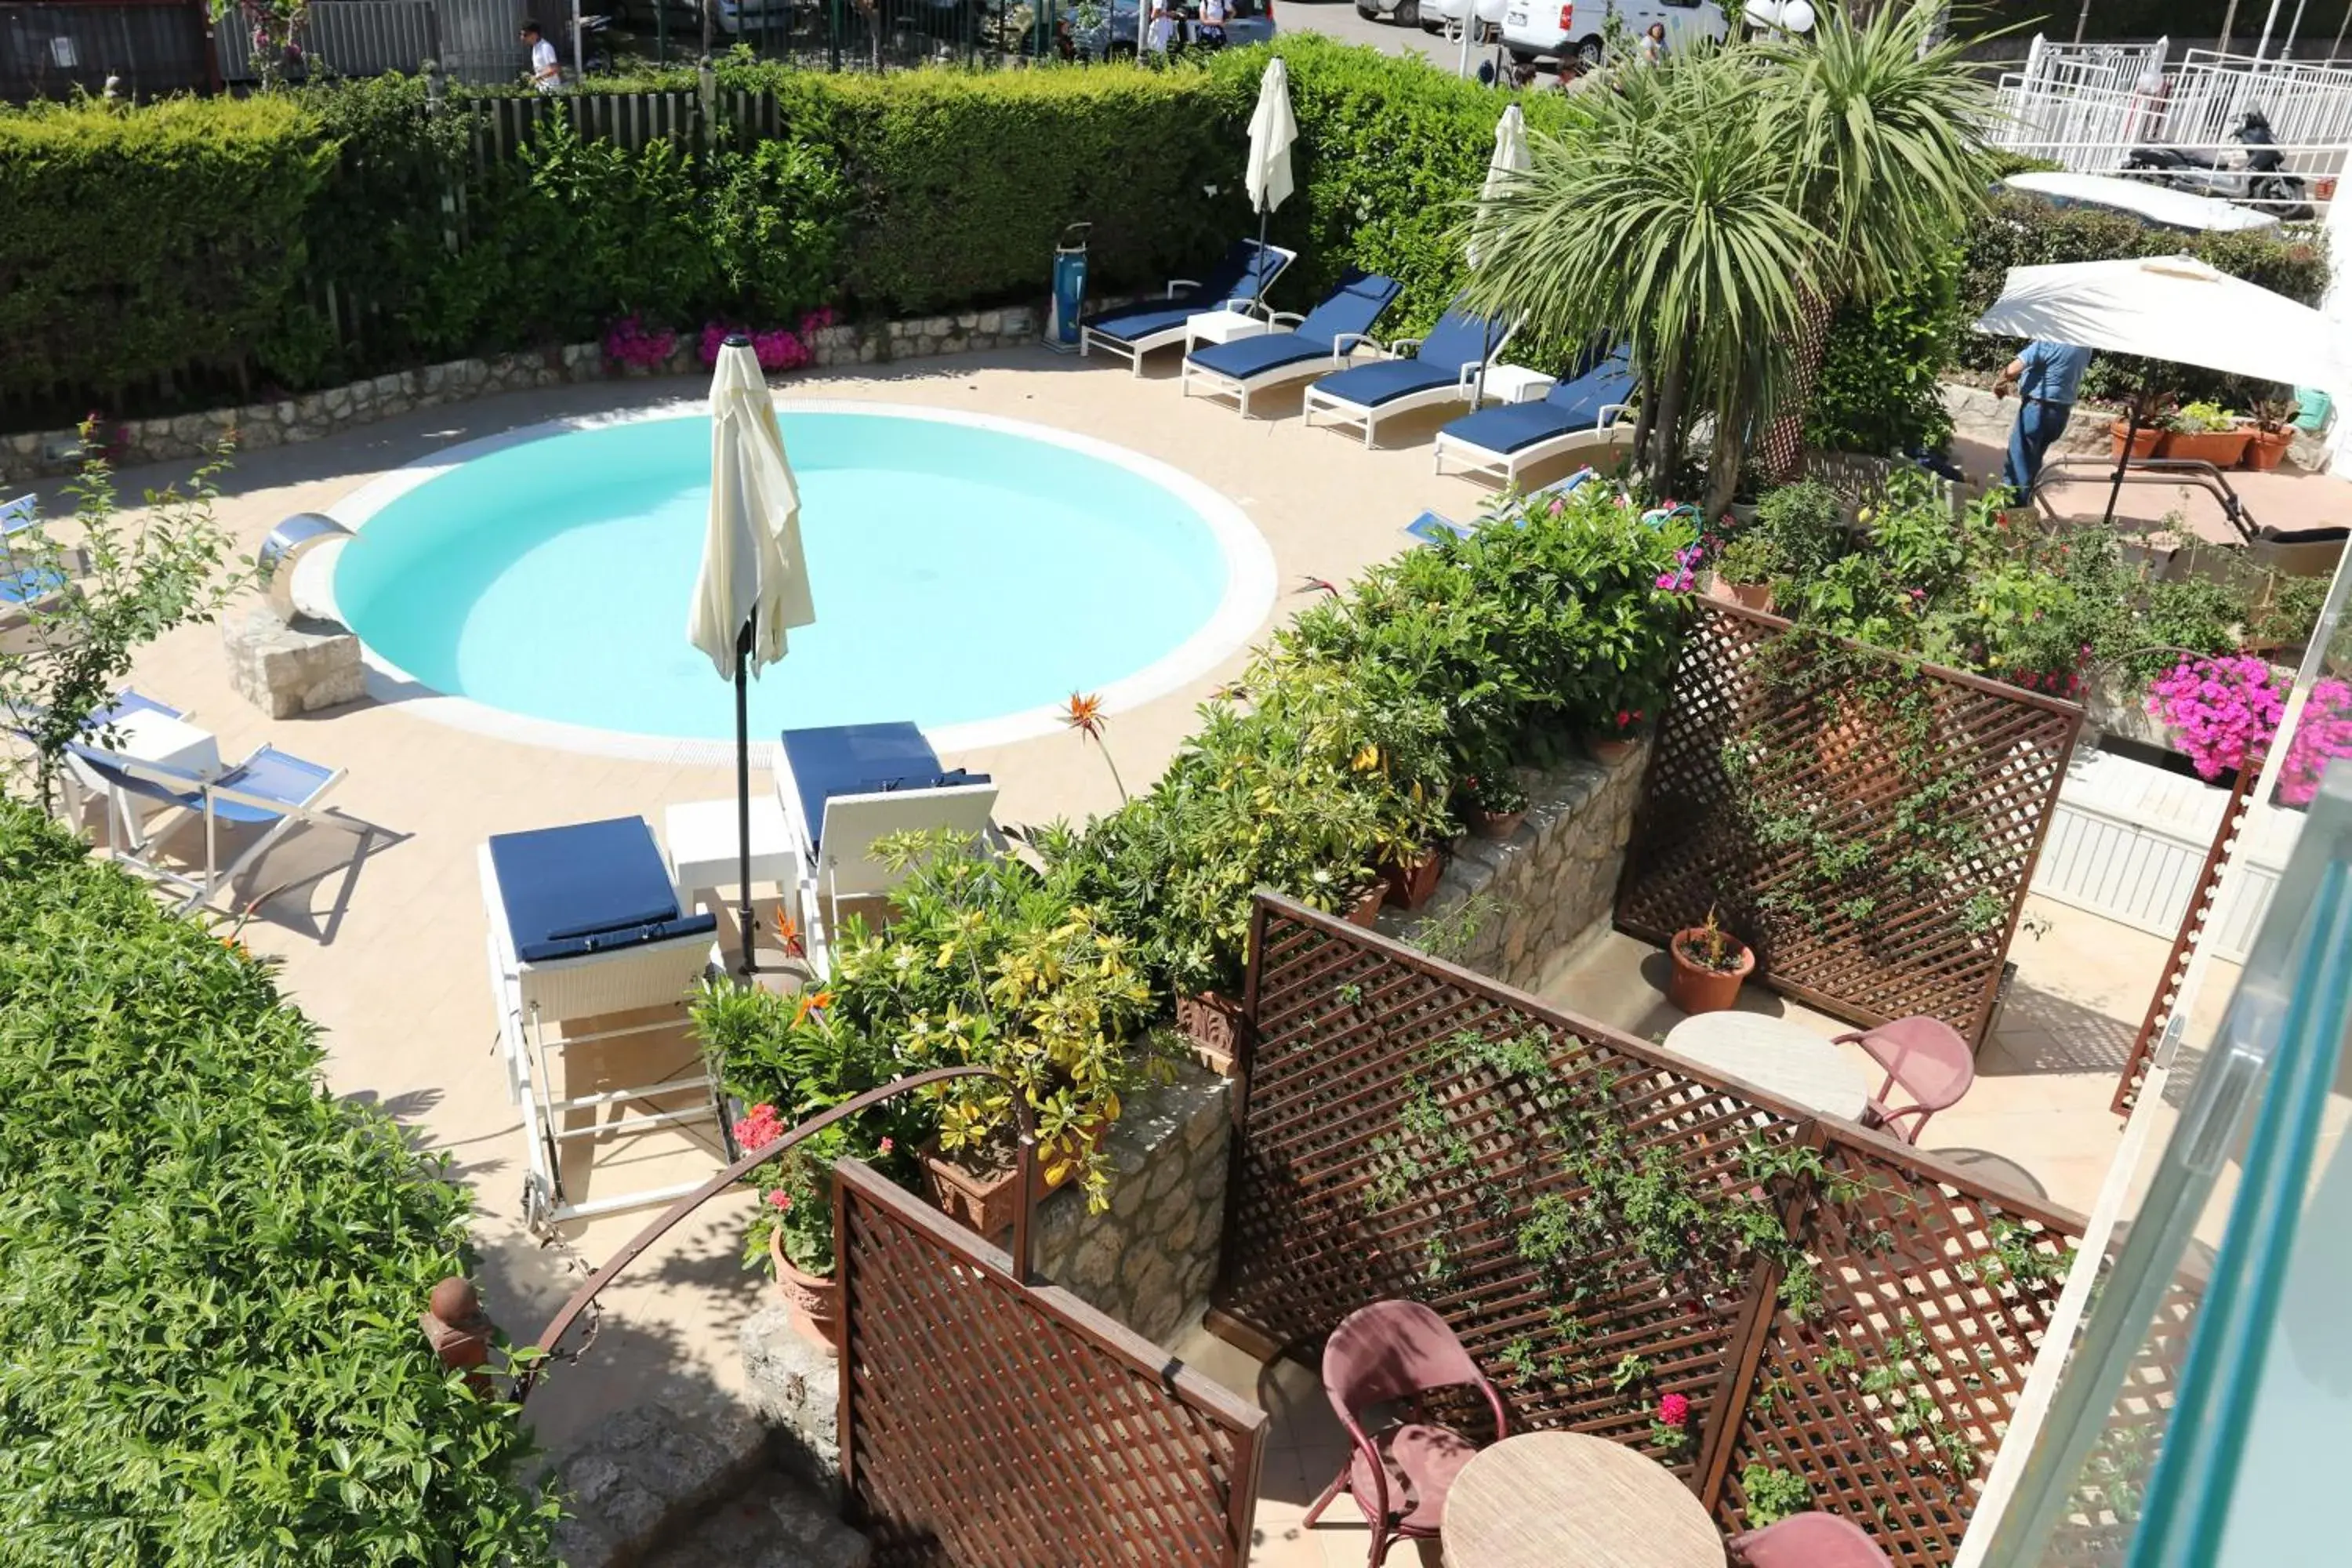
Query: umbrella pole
(1264, 213)
(2131, 438)
(743, 789)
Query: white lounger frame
(846, 867)
(1241, 390)
(1134, 348)
(1504, 467)
(1339, 411)
(532, 997)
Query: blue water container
(1069, 301)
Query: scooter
(2257, 176)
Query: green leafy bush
(212, 1269)
(1879, 390)
(139, 244)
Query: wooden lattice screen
(1881, 946)
(989, 1424)
(1396, 1140)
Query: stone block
(794, 1386)
(640, 1473)
(288, 670)
(772, 1524)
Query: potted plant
(988, 961)
(2152, 439)
(1743, 573)
(1709, 966)
(2271, 433)
(1495, 803)
(1365, 900)
(2205, 432)
(792, 1231)
(1613, 739)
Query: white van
(1558, 29)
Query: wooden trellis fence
(1941, 808)
(990, 1424)
(1409, 1129)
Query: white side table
(1514, 383)
(1222, 327)
(152, 737)
(704, 855)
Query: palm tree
(1711, 210)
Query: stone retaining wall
(282, 421)
(1548, 883)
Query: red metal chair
(1808, 1540)
(1388, 1353)
(1925, 1059)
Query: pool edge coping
(1246, 604)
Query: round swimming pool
(969, 574)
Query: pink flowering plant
(2225, 712)
(1670, 1428)
(778, 349)
(630, 342)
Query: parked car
(1111, 32)
(1541, 29)
(1403, 13)
(1445, 16)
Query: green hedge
(136, 243)
(343, 229)
(210, 1269)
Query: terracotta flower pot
(986, 1201)
(1366, 910)
(1610, 749)
(814, 1299)
(1496, 824)
(2223, 448)
(1695, 989)
(1213, 1021)
(2144, 444)
(1410, 887)
(2265, 449)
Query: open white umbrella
(754, 584)
(2157, 204)
(1272, 130)
(1510, 161)
(2172, 308)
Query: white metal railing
(2086, 106)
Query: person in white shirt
(545, 74)
(1213, 22)
(1163, 27)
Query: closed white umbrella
(753, 586)
(1510, 161)
(1272, 130)
(2172, 308)
(2157, 203)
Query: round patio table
(1561, 1499)
(1777, 1054)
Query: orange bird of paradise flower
(1083, 713)
(811, 1002)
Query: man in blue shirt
(2046, 378)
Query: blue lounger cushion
(1370, 385)
(1247, 357)
(590, 886)
(1244, 272)
(1570, 406)
(1432, 526)
(1126, 326)
(862, 759)
(19, 588)
(1348, 311)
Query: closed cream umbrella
(1503, 170)
(754, 586)
(1272, 130)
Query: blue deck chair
(1443, 368)
(1498, 442)
(1322, 341)
(1236, 283)
(1432, 526)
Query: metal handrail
(2154, 470)
(568, 1314)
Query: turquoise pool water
(960, 574)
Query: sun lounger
(271, 790)
(1498, 442)
(1240, 282)
(584, 924)
(1322, 341)
(1431, 526)
(845, 787)
(1443, 368)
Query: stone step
(775, 1522)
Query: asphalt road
(1338, 19)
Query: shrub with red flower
(1674, 1409)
